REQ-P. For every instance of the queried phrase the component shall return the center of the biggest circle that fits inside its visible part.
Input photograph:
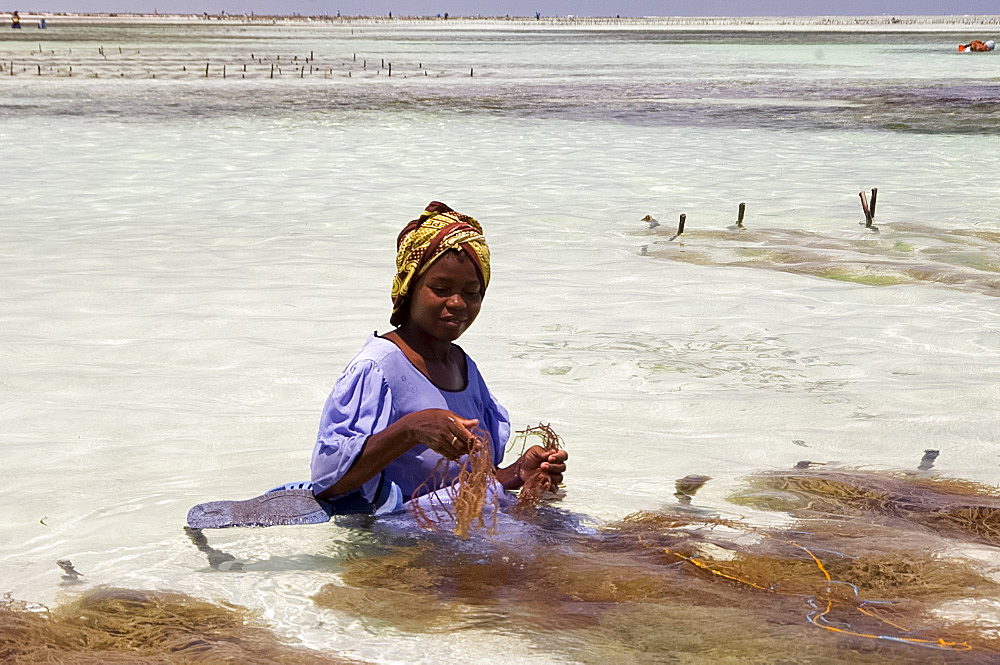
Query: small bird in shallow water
(652, 222)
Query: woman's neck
(429, 348)
(440, 361)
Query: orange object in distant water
(977, 46)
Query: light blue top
(380, 386)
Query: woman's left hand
(543, 468)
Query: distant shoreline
(715, 23)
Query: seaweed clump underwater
(902, 253)
(109, 625)
(866, 567)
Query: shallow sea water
(189, 262)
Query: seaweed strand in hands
(467, 494)
(531, 493)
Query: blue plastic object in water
(291, 504)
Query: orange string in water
(704, 566)
(814, 619)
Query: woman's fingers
(554, 474)
(552, 467)
(456, 437)
(462, 430)
(443, 431)
(545, 467)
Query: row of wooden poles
(866, 208)
(301, 68)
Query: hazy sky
(523, 7)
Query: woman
(411, 397)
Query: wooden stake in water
(272, 70)
(223, 71)
(874, 196)
(868, 213)
(680, 226)
(471, 72)
(390, 69)
(206, 70)
(739, 220)
(864, 209)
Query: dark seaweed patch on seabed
(747, 104)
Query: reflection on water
(865, 573)
(903, 253)
(109, 625)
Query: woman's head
(438, 233)
(446, 299)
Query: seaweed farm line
(131, 64)
(781, 419)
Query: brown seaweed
(530, 495)
(948, 506)
(852, 579)
(467, 494)
(110, 625)
(903, 253)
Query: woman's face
(447, 298)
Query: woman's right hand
(444, 432)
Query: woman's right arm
(442, 431)
(356, 439)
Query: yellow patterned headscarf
(424, 240)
